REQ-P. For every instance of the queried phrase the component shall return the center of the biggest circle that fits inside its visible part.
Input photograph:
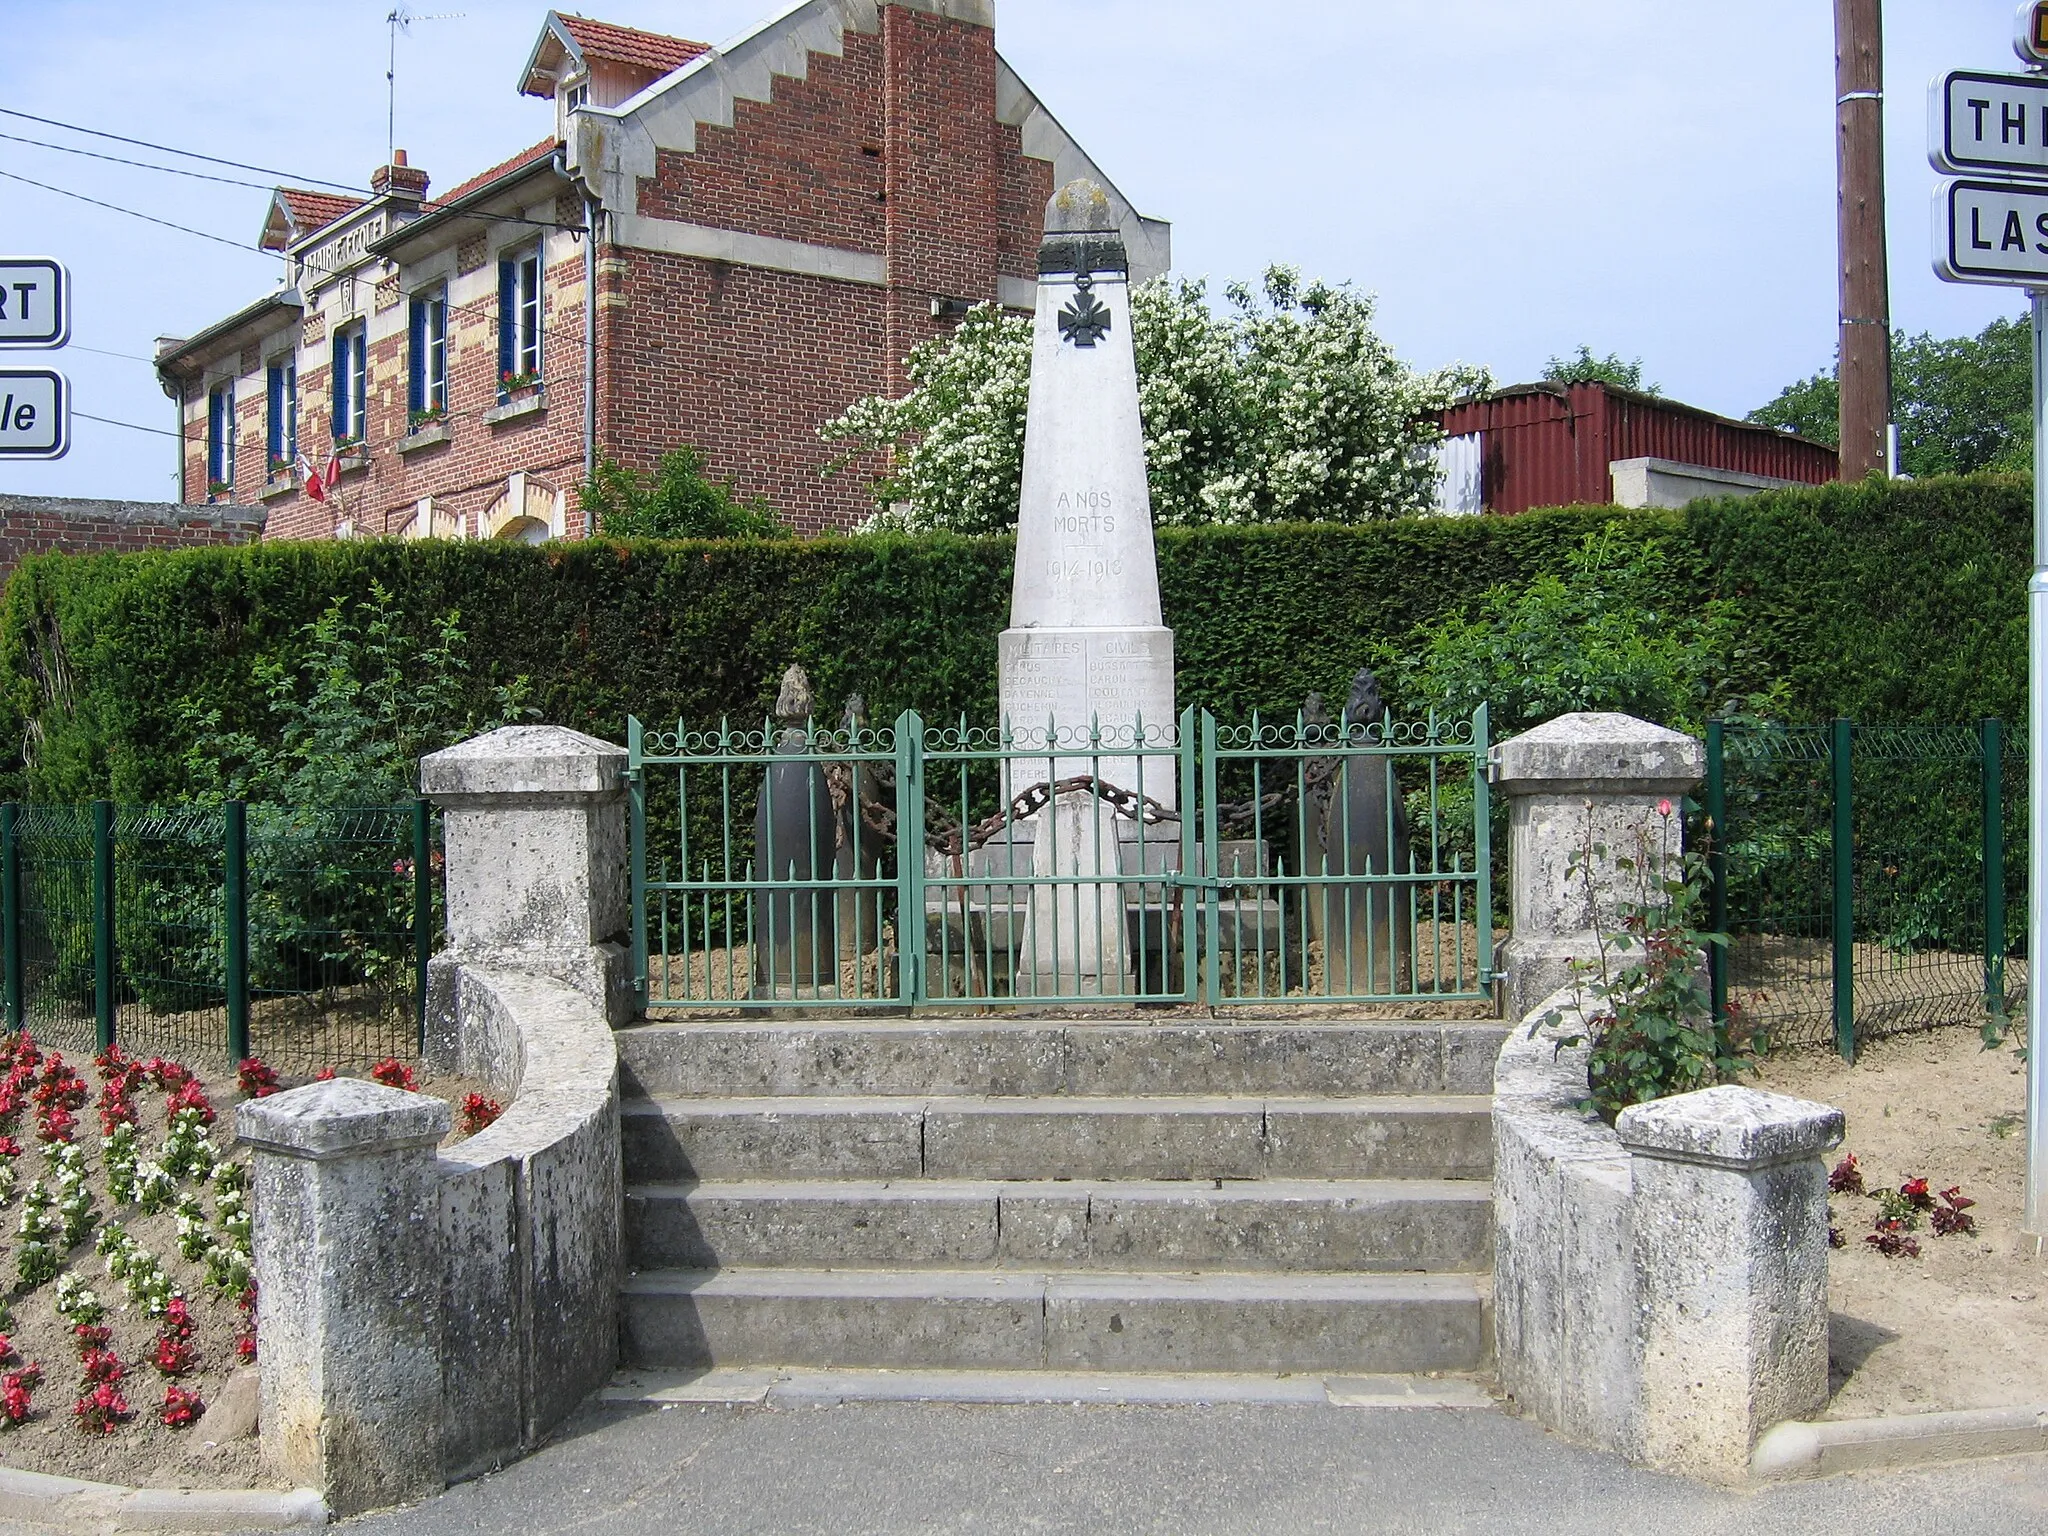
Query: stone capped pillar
(1730, 1223)
(1597, 776)
(349, 1373)
(534, 833)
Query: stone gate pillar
(1579, 780)
(534, 833)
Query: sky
(1511, 179)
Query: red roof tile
(518, 162)
(315, 210)
(629, 45)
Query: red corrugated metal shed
(1550, 445)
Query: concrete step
(995, 1320)
(1058, 1137)
(814, 1387)
(1016, 1058)
(1265, 1225)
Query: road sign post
(1995, 231)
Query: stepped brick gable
(720, 247)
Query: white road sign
(1996, 123)
(35, 413)
(1992, 232)
(35, 302)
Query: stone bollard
(350, 1373)
(1730, 1223)
(1613, 768)
(535, 836)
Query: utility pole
(1865, 366)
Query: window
(426, 389)
(577, 95)
(220, 440)
(281, 416)
(351, 382)
(519, 320)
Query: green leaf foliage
(679, 501)
(1582, 367)
(1963, 404)
(1884, 602)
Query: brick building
(777, 223)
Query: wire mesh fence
(297, 934)
(1869, 877)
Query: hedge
(1898, 602)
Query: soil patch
(1965, 1325)
(220, 1449)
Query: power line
(231, 181)
(108, 421)
(140, 165)
(165, 149)
(133, 214)
(133, 357)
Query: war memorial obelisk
(1085, 654)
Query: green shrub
(680, 501)
(1888, 603)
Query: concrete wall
(529, 1220)
(1668, 483)
(1660, 1286)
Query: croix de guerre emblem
(1085, 320)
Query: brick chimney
(399, 179)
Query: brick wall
(34, 525)
(891, 149)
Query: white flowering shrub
(1284, 406)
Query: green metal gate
(1192, 864)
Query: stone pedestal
(1731, 1263)
(1581, 780)
(346, 1192)
(1076, 940)
(534, 831)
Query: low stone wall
(1564, 1294)
(1660, 1287)
(527, 1340)
(370, 1394)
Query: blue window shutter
(416, 356)
(508, 316)
(338, 379)
(273, 425)
(213, 438)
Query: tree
(1962, 404)
(1584, 368)
(1283, 406)
(680, 502)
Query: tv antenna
(400, 20)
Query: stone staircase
(1060, 1195)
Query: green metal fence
(1866, 876)
(298, 935)
(1271, 864)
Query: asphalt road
(880, 1469)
